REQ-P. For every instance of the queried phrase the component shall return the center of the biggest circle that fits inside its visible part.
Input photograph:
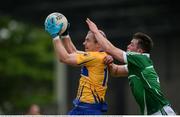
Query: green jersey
(144, 82)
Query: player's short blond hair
(103, 34)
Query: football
(58, 19)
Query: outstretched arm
(53, 29)
(106, 45)
(69, 46)
(118, 70)
(115, 70)
(66, 39)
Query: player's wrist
(66, 32)
(54, 35)
(56, 38)
(64, 36)
(97, 32)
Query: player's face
(133, 46)
(90, 44)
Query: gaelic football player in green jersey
(143, 79)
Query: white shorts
(166, 110)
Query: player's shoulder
(99, 53)
(132, 53)
(89, 54)
(138, 54)
(84, 54)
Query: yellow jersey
(94, 77)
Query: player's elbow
(65, 61)
(62, 59)
(69, 59)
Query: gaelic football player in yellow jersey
(90, 98)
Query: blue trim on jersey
(81, 93)
(105, 76)
(95, 99)
(84, 71)
(98, 96)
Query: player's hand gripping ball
(55, 24)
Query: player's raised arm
(106, 45)
(62, 54)
(69, 45)
(53, 27)
(67, 41)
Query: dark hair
(144, 41)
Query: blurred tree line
(26, 66)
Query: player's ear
(140, 50)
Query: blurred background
(30, 73)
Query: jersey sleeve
(132, 58)
(83, 58)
